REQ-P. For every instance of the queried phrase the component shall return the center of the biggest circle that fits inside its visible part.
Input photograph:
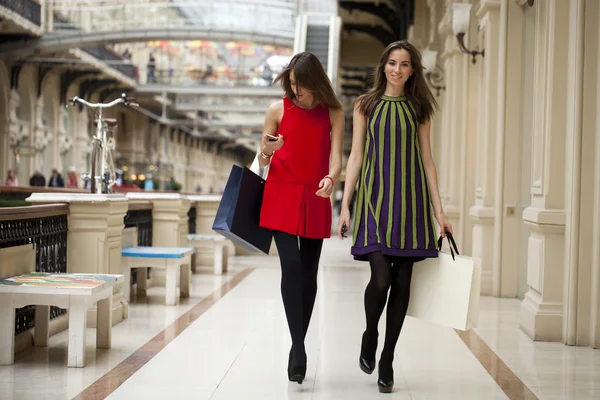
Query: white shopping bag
(445, 291)
(262, 172)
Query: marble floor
(229, 340)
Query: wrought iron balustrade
(28, 9)
(140, 216)
(192, 220)
(46, 226)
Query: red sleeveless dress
(289, 201)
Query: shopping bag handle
(451, 242)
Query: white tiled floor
(238, 349)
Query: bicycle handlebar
(123, 99)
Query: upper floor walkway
(69, 23)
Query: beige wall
(360, 49)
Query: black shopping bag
(239, 212)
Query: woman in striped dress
(397, 189)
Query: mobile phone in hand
(344, 230)
(271, 138)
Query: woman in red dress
(305, 161)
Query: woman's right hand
(269, 147)
(343, 221)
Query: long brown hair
(310, 76)
(416, 88)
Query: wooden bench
(20, 286)
(220, 249)
(172, 259)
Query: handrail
(139, 205)
(31, 212)
(39, 189)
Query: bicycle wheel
(96, 161)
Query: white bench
(220, 249)
(172, 259)
(20, 286)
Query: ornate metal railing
(139, 215)
(104, 54)
(192, 220)
(28, 9)
(46, 226)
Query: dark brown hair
(310, 76)
(416, 88)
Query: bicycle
(103, 173)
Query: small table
(171, 259)
(77, 292)
(220, 249)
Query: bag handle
(451, 242)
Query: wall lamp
(433, 73)
(461, 14)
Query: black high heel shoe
(296, 371)
(386, 378)
(366, 363)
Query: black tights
(299, 266)
(391, 274)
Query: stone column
(452, 166)
(83, 143)
(582, 123)
(418, 32)
(93, 239)
(508, 137)
(206, 210)
(169, 222)
(482, 212)
(4, 149)
(541, 309)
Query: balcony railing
(28, 9)
(139, 215)
(273, 17)
(104, 54)
(192, 220)
(45, 226)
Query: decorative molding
(486, 6)
(540, 216)
(524, 3)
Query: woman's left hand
(326, 187)
(445, 226)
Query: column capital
(487, 6)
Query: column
(581, 207)
(482, 212)
(508, 137)
(169, 223)
(541, 309)
(453, 139)
(94, 239)
(83, 143)
(5, 150)
(419, 30)
(206, 210)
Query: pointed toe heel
(366, 361)
(386, 378)
(366, 366)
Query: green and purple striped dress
(393, 213)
